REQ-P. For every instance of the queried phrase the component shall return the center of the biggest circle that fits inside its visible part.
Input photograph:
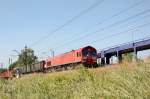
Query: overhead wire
(68, 22)
(109, 18)
(107, 37)
(120, 12)
(109, 26)
(116, 34)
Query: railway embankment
(129, 81)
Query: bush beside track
(117, 81)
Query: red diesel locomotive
(86, 56)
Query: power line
(120, 12)
(109, 26)
(69, 21)
(112, 35)
(116, 34)
(111, 17)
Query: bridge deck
(140, 45)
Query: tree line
(25, 58)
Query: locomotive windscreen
(89, 51)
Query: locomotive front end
(89, 56)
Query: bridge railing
(130, 42)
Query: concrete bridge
(118, 50)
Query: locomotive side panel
(65, 58)
(78, 55)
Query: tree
(2, 70)
(26, 58)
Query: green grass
(116, 82)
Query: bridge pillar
(103, 61)
(135, 55)
(102, 58)
(119, 56)
(108, 59)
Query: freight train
(86, 56)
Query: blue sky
(23, 22)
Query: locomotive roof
(71, 51)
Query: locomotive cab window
(89, 52)
(78, 54)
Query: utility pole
(134, 49)
(133, 37)
(10, 61)
(52, 52)
(26, 58)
